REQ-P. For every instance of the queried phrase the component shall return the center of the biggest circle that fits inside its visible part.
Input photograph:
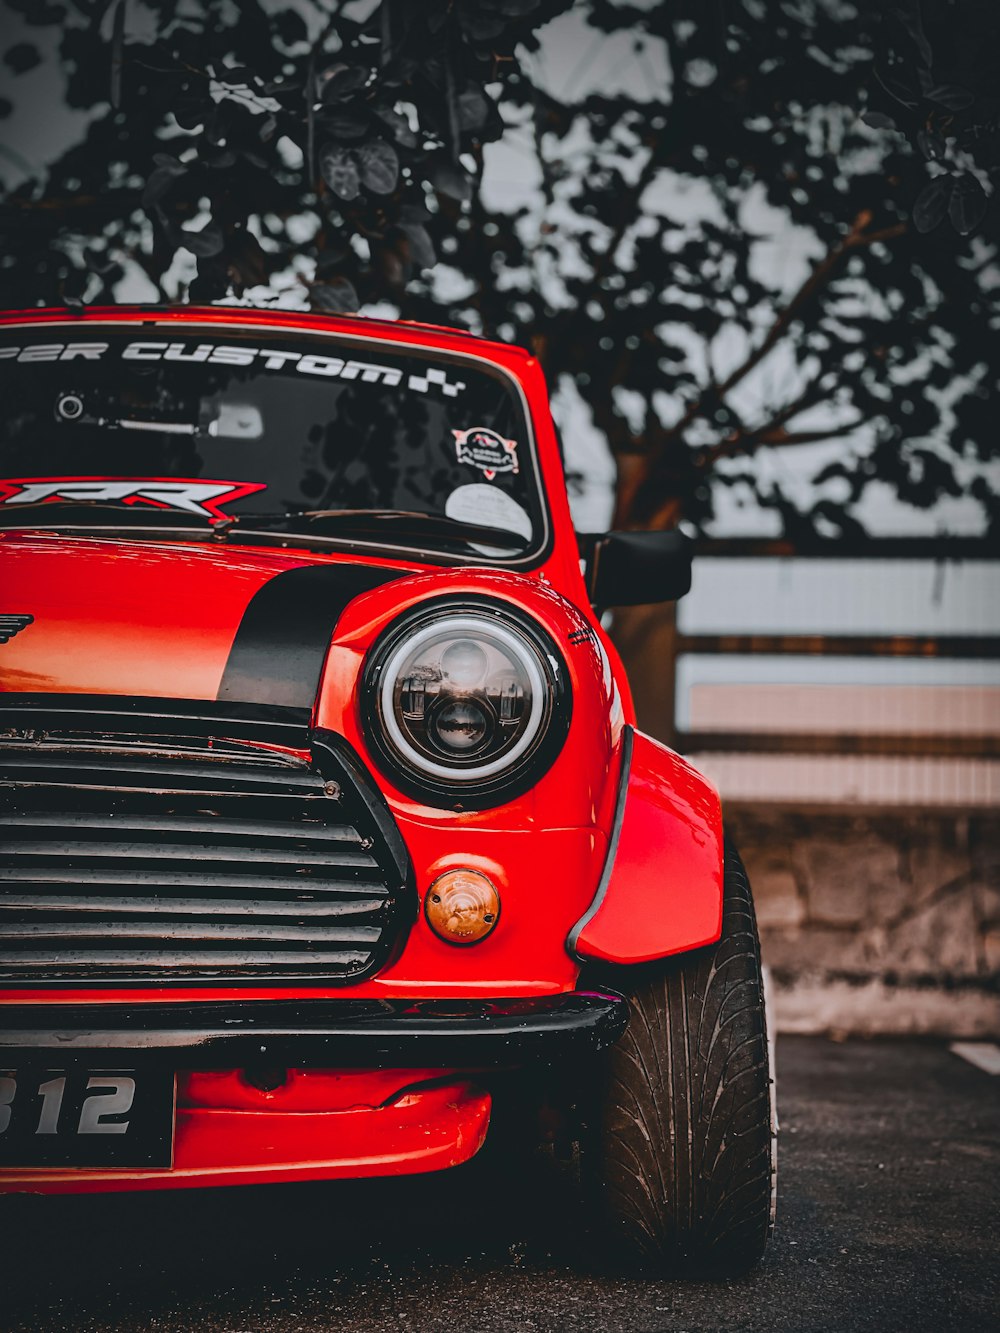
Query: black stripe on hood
(282, 640)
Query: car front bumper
(306, 1090)
(320, 1034)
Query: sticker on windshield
(241, 354)
(489, 507)
(483, 448)
(190, 496)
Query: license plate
(86, 1117)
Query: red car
(328, 831)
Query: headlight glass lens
(464, 698)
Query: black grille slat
(162, 877)
(66, 904)
(135, 773)
(144, 857)
(74, 850)
(157, 793)
(198, 964)
(226, 931)
(247, 829)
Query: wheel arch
(660, 892)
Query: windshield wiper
(322, 524)
(394, 522)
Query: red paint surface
(665, 893)
(302, 1090)
(154, 618)
(423, 1130)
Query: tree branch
(816, 281)
(646, 507)
(776, 439)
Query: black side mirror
(631, 568)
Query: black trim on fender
(315, 1033)
(628, 736)
(282, 641)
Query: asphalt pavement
(888, 1219)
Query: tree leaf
(331, 256)
(220, 161)
(22, 57)
(161, 179)
(947, 95)
(340, 171)
(73, 287)
(169, 162)
(236, 76)
(473, 108)
(420, 244)
(897, 88)
(203, 244)
(910, 17)
(878, 120)
(284, 88)
(247, 261)
(220, 122)
(343, 124)
(340, 81)
(967, 206)
(450, 180)
(479, 24)
(931, 204)
(414, 213)
(192, 112)
(399, 125)
(337, 297)
(290, 27)
(379, 166)
(438, 14)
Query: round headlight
(465, 700)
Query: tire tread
(682, 1142)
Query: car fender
(660, 892)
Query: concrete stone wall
(877, 921)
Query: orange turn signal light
(462, 906)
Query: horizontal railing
(879, 731)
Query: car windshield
(253, 429)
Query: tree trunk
(646, 638)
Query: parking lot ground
(888, 1219)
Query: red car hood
(171, 620)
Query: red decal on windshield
(187, 494)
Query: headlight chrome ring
(466, 702)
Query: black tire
(680, 1151)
